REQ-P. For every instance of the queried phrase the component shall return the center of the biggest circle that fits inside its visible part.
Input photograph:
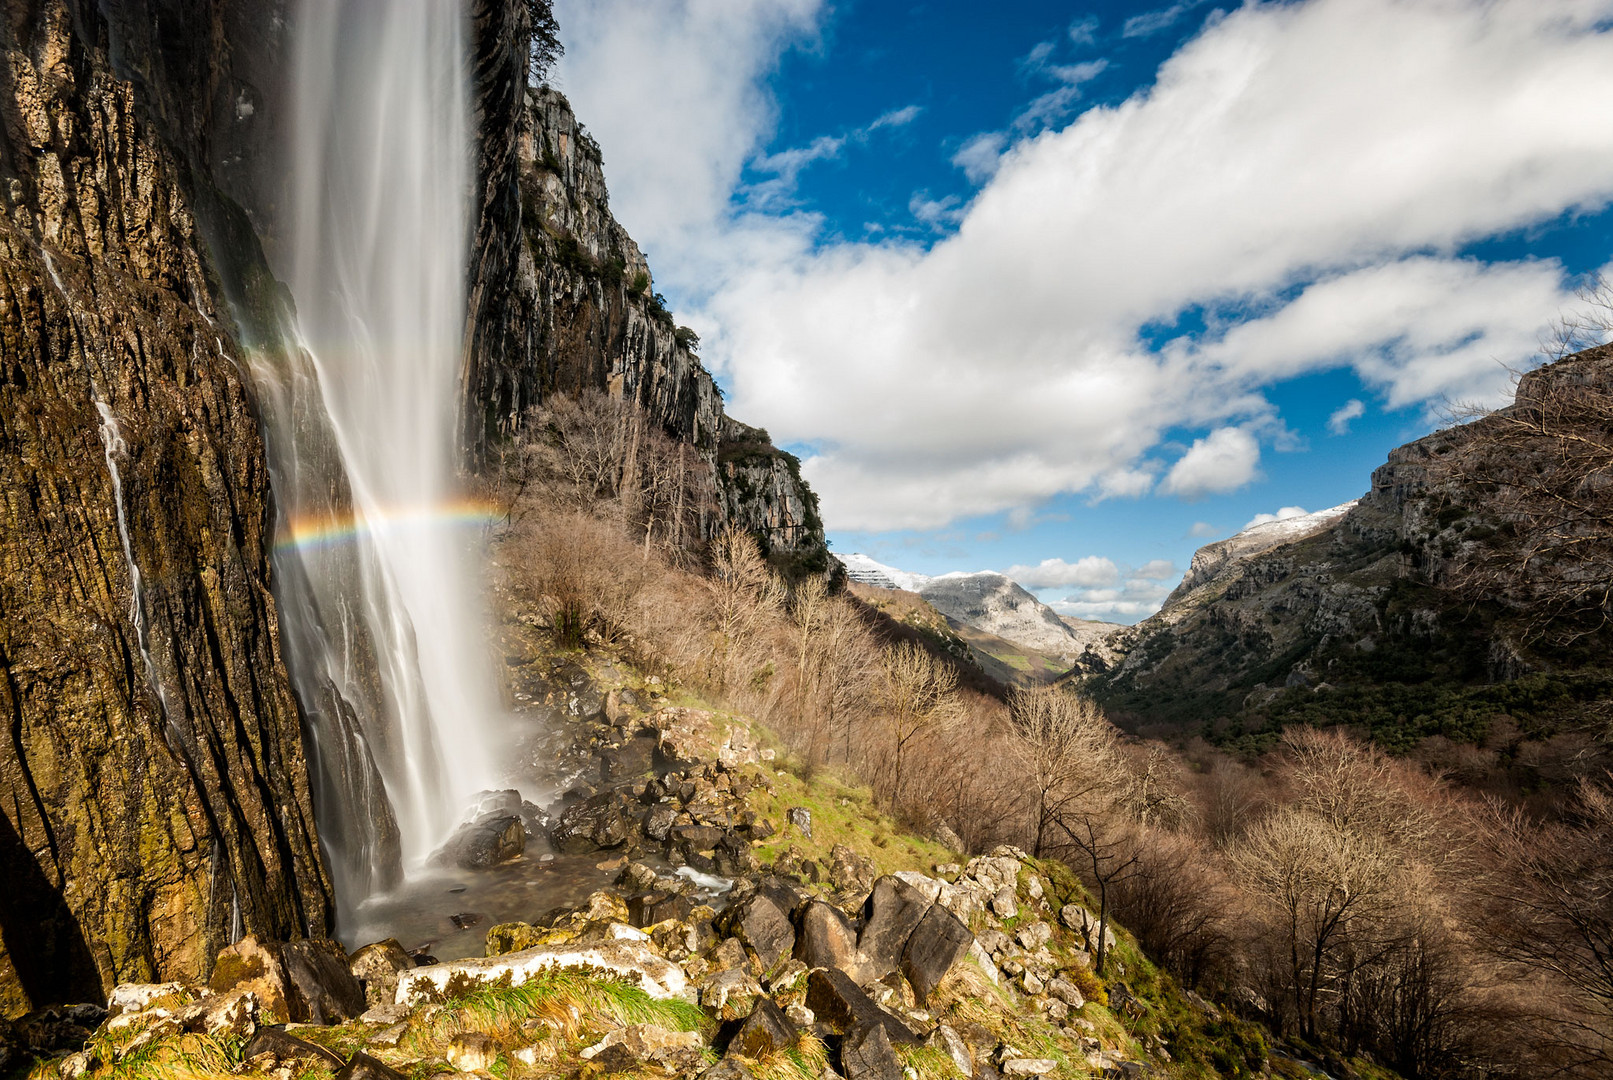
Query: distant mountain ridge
(990, 602)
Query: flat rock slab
(939, 941)
(630, 960)
(893, 911)
(867, 1054)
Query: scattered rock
(763, 925)
(801, 818)
(839, 1003)
(233, 1013)
(471, 1051)
(1029, 1067)
(362, 1066)
(251, 965)
(891, 913)
(274, 1044)
(634, 961)
(1003, 904)
(138, 997)
(848, 871)
(867, 1054)
(766, 1031)
(377, 967)
(938, 942)
(825, 940)
(1034, 935)
(730, 994)
(319, 987)
(1066, 992)
(949, 1042)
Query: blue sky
(1067, 289)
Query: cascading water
(383, 620)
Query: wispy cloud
(1152, 22)
(1339, 422)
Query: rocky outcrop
(563, 302)
(1382, 612)
(999, 605)
(154, 800)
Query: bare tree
(745, 597)
(1068, 752)
(1550, 911)
(917, 698)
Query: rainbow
(308, 532)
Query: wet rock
(766, 1031)
(377, 967)
(838, 1002)
(801, 818)
(486, 842)
(937, 943)
(892, 912)
(595, 823)
(658, 821)
(634, 961)
(650, 908)
(763, 925)
(867, 1054)
(362, 1066)
(274, 1044)
(319, 987)
(471, 1051)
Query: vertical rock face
(154, 800)
(573, 307)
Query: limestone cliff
(1389, 613)
(577, 309)
(154, 800)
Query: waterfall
(380, 603)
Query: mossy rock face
(155, 780)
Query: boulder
(1033, 935)
(763, 925)
(487, 841)
(639, 1043)
(648, 909)
(848, 871)
(825, 940)
(362, 1066)
(1019, 1067)
(1003, 904)
(1067, 992)
(685, 736)
(950, 1043)
(892, 912)
(938, 942)
(867, 1054)
(658, 821)
(319, 987)
(272, 1043)
(766, 1031)
(838, 1002)
(138, 997)
(377, 967)
(635, 961)
(727, 1069)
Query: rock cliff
(1424, 608)
(154, 801)
(575, 308)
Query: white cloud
(1093, 570)
(936, 213)
(1339, 422)
(895, 118)
(1203, 529)
(1158, 570)
(980, 155)
(1152, 22)
(1084, 31)
(1281, 515)
(1224, 460)
(1341, 152)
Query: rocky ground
(759, 925)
